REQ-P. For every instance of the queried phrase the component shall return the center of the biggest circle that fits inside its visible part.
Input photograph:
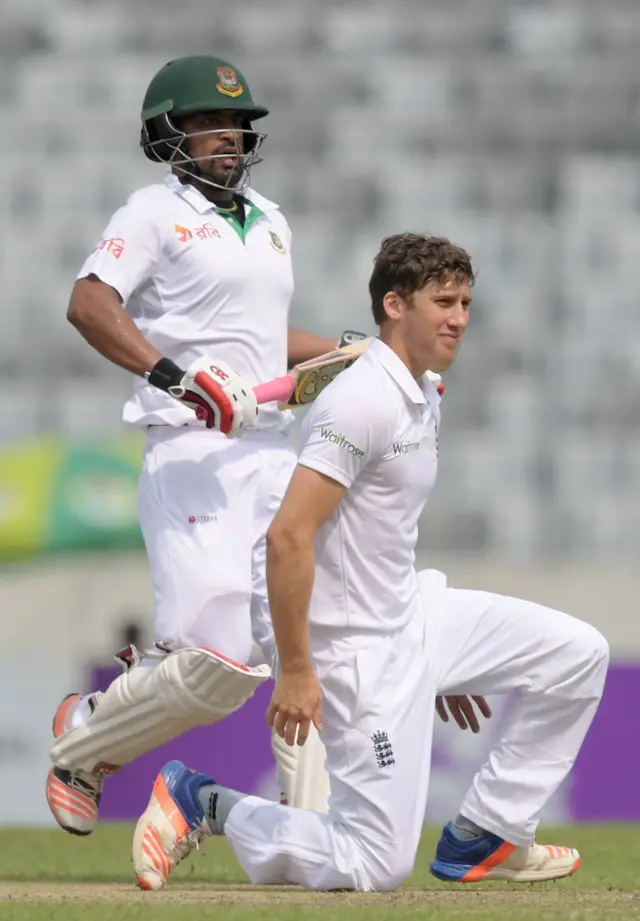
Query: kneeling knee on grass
(387, 864)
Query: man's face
(216, 134)
(433, 320)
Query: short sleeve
(340, 437)
(129, 248)
(288, 234)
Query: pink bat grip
(280, 389)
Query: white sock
(465, 829)
(217, 802)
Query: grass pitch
(51, 875)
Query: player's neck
(417, 365)
(221, 197)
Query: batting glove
(221, 398)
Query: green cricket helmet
(190, 85)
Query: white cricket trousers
(204, 504)
(378, 711)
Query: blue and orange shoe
(172, 825)
(489, 857)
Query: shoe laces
(89, 785)
(188, 842)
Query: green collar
(251, 215)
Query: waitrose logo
(405, 448)
(341, 442)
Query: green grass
(50, 875)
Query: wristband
(165, 374)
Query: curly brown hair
(408, 261)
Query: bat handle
(279, 389)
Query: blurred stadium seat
(513, 127)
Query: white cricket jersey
(198, 285)
(375, 431)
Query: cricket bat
(305, 381)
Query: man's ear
(393, 304)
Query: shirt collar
(419, 393)
(201, 204)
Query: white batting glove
(221, 398)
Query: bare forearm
(101, 319)
(290, 571)
(303, 346)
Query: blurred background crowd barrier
(512, 126)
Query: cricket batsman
(189, 290)
(366, 643)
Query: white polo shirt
(197, 285)
(375, 431)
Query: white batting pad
(302, 775)
(153, 703)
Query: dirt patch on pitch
(268, 896)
